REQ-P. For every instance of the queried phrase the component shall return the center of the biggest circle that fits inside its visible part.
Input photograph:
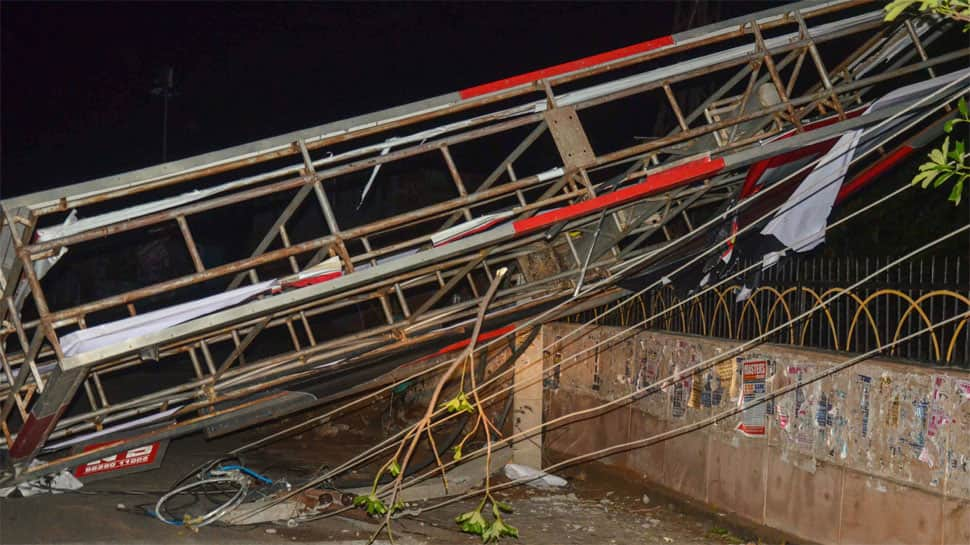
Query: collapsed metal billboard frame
(643, 190)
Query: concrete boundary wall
(879, 453)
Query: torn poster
(962, 388)
(865, 383)
(823, 411)
(696, 387)
(754, 374)
(937, 414)
(713, 390)
(92, 338)
(728, 378)
(679, 396)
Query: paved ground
(598, 507)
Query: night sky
(77, 77)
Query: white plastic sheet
(540, 479)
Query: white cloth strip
(132, 212)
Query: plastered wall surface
(878, 453)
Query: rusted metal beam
(538, 103)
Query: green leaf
(394, 468)
(946, 176)
(938, 156)
(894, 8)
(458, 404)
(376, 507)
(465, 405)
(962, 106)
(398, 505)
(945, 149)
(371, 503)
(450, 406)
(925, 178)
(957, 193)
(491, 534)
(472, 522)
(948, 126)
(457, 456)
(958, 151)
(503, 506)
(498, 530)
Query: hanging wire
(699, 229)
(386, 444)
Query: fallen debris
(538, 478)
(56, 483)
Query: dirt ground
(600, 507)
(597, 507)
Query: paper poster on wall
(754, 374)
(680, 394)
(865, 384)
(963, 388)
(728, 376)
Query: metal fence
(896, 303)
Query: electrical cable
(693, 232)
(371, 451)
(685, 301)
(682, 430)
(386, 444)
(669, 380)
(663, 383)
(210, 474)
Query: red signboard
(125, 460)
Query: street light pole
(166, 90)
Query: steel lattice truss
(563, 200)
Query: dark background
(77, 77)
(76, 82)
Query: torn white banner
(84, 340)
(800, 222)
